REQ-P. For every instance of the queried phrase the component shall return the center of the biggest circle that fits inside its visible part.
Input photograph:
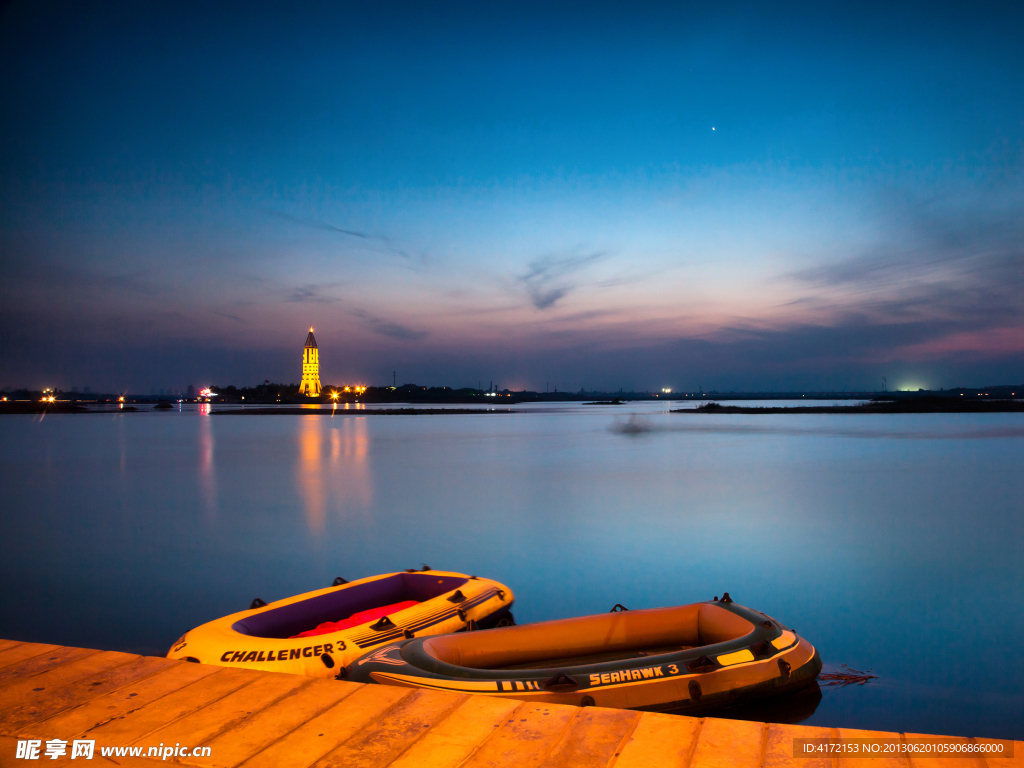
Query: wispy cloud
(548, 279)
(389, 328)
(942, 273)
(311, 294)
(236, 318)
(377, 242)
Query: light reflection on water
(341, 483)
(207, 476)
(892, 542)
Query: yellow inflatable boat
(690, 659)
(318, 633)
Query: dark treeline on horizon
(270, 393)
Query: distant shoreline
(922, 405)
(352, 411)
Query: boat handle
(763, 650)
(338, 581)
(561, 682)
(618, 608)
(256, 603)
(703, 664)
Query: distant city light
(666, 390)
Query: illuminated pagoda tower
(310, 385)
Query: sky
(593, 195)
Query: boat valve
(382, 623)
(726, 598)
(327, 660)
(784, 668)
(462, 614)
(695, 691)
(338, 581)
(458, 597)
(342, 674)
(256, 603)
(767, 625)
(409, 634)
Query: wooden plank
(869, 762)
(455, 738)
(40, 663)
(526, 738)
(311, 741)
(69, 696)
(778, 750)
(951, 760)
(265, 720)
(666, 741)
(40, 686)
(381, 742)
(67, 725)
(200, 727)
(593, 738)
(1017, 761)
(138, 724)
(276, 721)
(23, 651)
(728, 744)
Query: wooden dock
(263, 719)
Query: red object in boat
(357, 618)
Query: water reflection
(791, 708)
(207, 471)
(901, 555)
(351, 484)
(310, 476)
(344, 481)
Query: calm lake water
(893, 543)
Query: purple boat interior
(290, 620)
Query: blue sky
(591, 195)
